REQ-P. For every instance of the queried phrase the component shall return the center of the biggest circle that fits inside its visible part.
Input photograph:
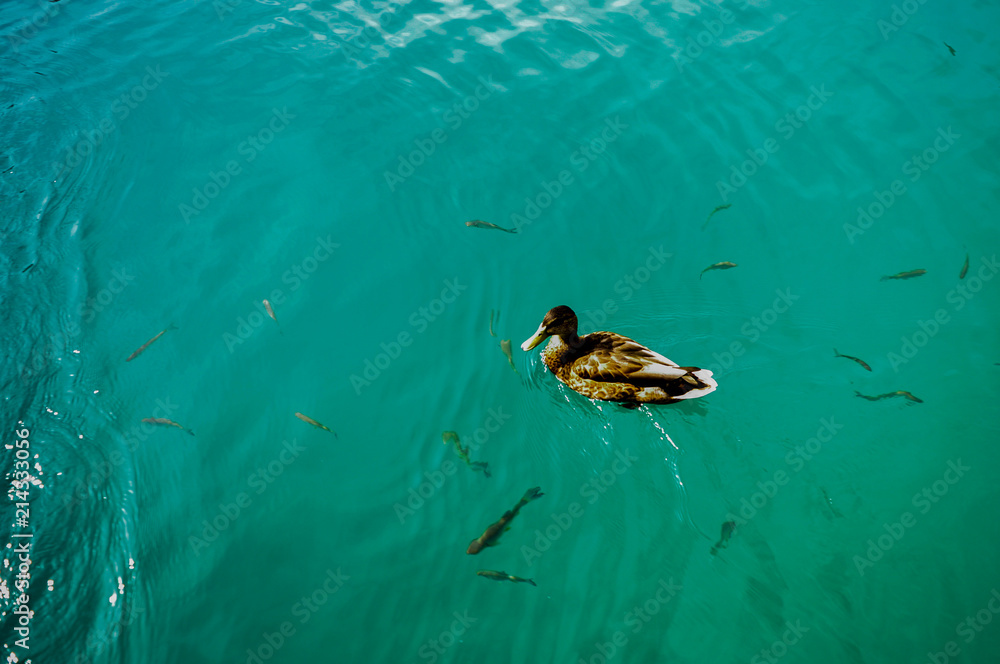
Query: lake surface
(166, 167)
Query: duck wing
(617, 359)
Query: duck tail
(705, 383)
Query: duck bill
(538, 337)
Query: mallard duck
(612, 367)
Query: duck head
(560, 321)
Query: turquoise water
(177, 163)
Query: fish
(475, 223)
(889, 395)
(33, 265)
(493, 533)
(710, 214)
(505, 347)
(162, 421)
(727, 531)
(950, 48)
(724, 265)
(965, 267)
(503, 576)
(270, 311)
(309, 420)
(849, 357)
(830, 504)
(905, 275)
(904, 393)
(463, 453)
(492, 333)
(146, 345)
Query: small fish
(463, 453)
(162, 421)
(146, 345)
(492, 333)
(849, 357)
(505, 347)
(493, 533)
(33, 265)
(830, 504)
(475, 223)
(904, 393)
(724, 265)
(270, 312)
(309, 420)
(965, 267)
(727, 531)
(503, 576)
(710, 214)
(950, 48)
(905, 275)
(889, 395)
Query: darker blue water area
(291, 495)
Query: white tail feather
(705, 376)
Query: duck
(611, 367)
